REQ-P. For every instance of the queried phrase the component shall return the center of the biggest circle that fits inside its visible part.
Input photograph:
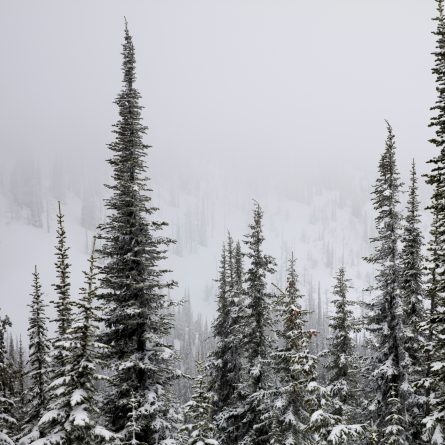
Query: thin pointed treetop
(388, 361)
(63, 285)
(435, 283)
(292, 279)
(438, 121)
(38, 362)
(256, 288)
(136, 315)
(411, 255)
(129, 64)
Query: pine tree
(7, 421)
(388, 366)
(198, 427)
(435, 421)
(412, 295)
(343, 363)
(219, 384)
(49, 425)
(38, 362)
(72, 410)
(86, 359)
(295, 368)
(394, 433)
(411, 280)
(63, 303)
(137, 314)
(225, 364)
(257, 421)
(132, 428)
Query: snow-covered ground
(324, 230)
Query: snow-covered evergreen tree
(137, 314)
(219, 383)
(395, 430)
(50, 424)
(72, 411)
(412, 294)
(257, 420)
(389, 362)
(411, 279)
(435, 290)
(226, 360)
(84, 363)
(62, 304)
(343, 363)
(38, 362)
(7, 422)
(198, 428)
(132, 429)
(295, 368)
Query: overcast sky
(257, 98)
(288, 89)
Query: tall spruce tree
(218, 382)
(394, 432)
(137, 316)
(257, 418)
(295, 367)
(7, 421)
(62, 304)
(388, 364)
(72, 410)
(412, 294)
(343, 364)
(411, 279)
(38, 362)
(49, 425)
(84, 363)
(198, 428)
(435, 421)
(226, 360)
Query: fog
(244, 99)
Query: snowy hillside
(324, 229)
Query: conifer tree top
(129, 60)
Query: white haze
(282, 101)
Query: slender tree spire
(63, 303)
(435, 282)
(7, 421)
(411, 280)
(226, 360)
(412, 295)
(198, 427)
(72, 411)
(343, 364)
(137, 319)
(295, 368)
(38, 363)
(257, 338)
(389, 363)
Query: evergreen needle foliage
(137, 310)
